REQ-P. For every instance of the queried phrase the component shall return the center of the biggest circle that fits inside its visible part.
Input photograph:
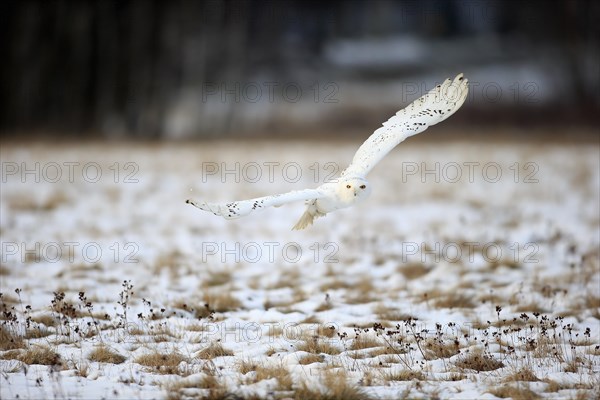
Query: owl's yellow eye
(363, 186)
(348, 186)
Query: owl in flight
(352, 187)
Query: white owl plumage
(352, 187)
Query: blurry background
(182, 69)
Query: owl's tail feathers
(307, 218)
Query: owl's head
(353, 190)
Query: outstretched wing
(430, 109)
(237, 209)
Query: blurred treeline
(214, 68)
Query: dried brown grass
(36, 354)
(221, 301)
(279, 372)
(478, 361)
(218, 278)
(515, 392)
(363, 292)
(523, 375)
(437, 348)
(105, 354)
(316, 345)
(337, 387)
(46, 319)
(453, 300)
(310, 359)
(163, 363)
(386, 313)
(404, 375)
(213, 350)
(215, 388)
(413, 271)
(365, 342)
(10, 340)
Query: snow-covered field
(472, 272)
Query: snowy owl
(351, 187)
